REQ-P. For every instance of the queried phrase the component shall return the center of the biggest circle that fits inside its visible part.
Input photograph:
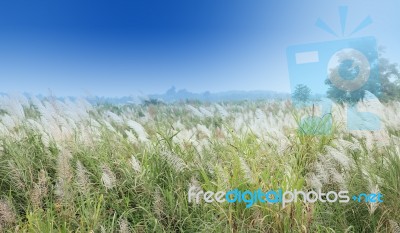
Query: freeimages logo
(348, 69)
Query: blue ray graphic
(343, 17)
(321, 24)
(367, 21)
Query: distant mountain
(172, 95)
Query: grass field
(69, 166)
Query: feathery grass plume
(195, 184)
(109, 126)
(327, 171)
(158, 204)
(35, 126)
(338, 178)
(13, 107)
(222, 111)
(174, 161)
(88, 136)
(204, 131)
(3, 130)
(223, 175)
(40, 190)
(45, 139)
(369, 140)
(381, 138)
(8, 122)
(238, 124)
(394, 226)
(205, 112)
(37, 103)
(131, 137)
(93, 123)
(313, 181)
(123, 226)
(195, 111)
(64, 176)
(246, 170)
(397, 149)
(83, 103)
(108, 177)
(344, 145)
(321, 172)
(183, 137)
(82, 178)
(22, 99)
(178, 125)
(339, 156)
(260, 115)
(115, 118)
(7, 213)
(136, 164)
(139, 129)
(372, 206)
(16, 175)
(200, 145)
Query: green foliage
(386, 88)
(154, 198)
(302, 93)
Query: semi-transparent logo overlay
(344, 70)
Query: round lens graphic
(348, 69)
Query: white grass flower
(178, 125)
(131, 137)
(123, 226)
(344, 145)
(372, 206)
(195, 111)
(338, 178)
(12, 107)
(174, 161)
(8, 122)
(313, 181)
(223, 176)
(64, 175)
(40, 190)
(139, 129)
(22, 99)
(16, 175)
(195, 184)
(246, 170)
(238, 124)
(222, 111)
(7, 213)
(115, 118)
(136, 164)
(339, 156)
(108, 177)
(321, 172)
(4, 130)
(82, 178)
(158, 204)
(394, 226)
(205, 112)
(260, 115)
(109, 126)
(204, 130)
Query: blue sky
(119, 48)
